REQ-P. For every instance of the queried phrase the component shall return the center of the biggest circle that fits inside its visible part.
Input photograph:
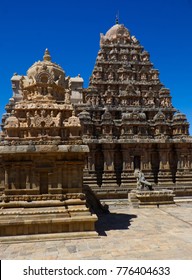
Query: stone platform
(46, 217)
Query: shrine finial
(47, 56)
(117, 18)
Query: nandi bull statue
(142, 183)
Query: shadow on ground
(113, 221)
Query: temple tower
(129, 121)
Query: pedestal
(155, 197)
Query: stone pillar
(59, 177)
(109, 175)
(91, 161)
(127, 160)
(164, 176)
(2, 178)
(28, 178)
(143, 162)
(50, 174)
(108, 160)
(37, 175)
(127, 176)
(33, 179)
(131, 160)
(13, 177)
(146, 165)
(64, 176)
(6, 178)
(17, 181)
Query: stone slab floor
(126, 233)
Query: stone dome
(84, 115)
(179, 117)
(11, 122)
(117, 30)
(164, 92)
(46, 71)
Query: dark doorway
(43, 183)
(137, 162)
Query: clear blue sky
(71, 31)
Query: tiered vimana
(129, 122)
(42, 157)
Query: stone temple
(57, 136)
(42, 157)
(129, 121)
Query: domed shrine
(129, 121)
(42, 157)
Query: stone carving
(43, 119)
(44, 108)
(142, 183)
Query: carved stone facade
(129, 122)
(42, 156)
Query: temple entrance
(43, 183)
(137, 162)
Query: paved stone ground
(125, 233)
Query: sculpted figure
(142, 183)
(111, 76)
(67, 96)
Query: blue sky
(71, 31)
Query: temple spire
(47, 56)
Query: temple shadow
(113, 221)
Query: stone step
(48, 237)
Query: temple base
(46, 217)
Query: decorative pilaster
(164, 176)
(28, 178)
(6, 178)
